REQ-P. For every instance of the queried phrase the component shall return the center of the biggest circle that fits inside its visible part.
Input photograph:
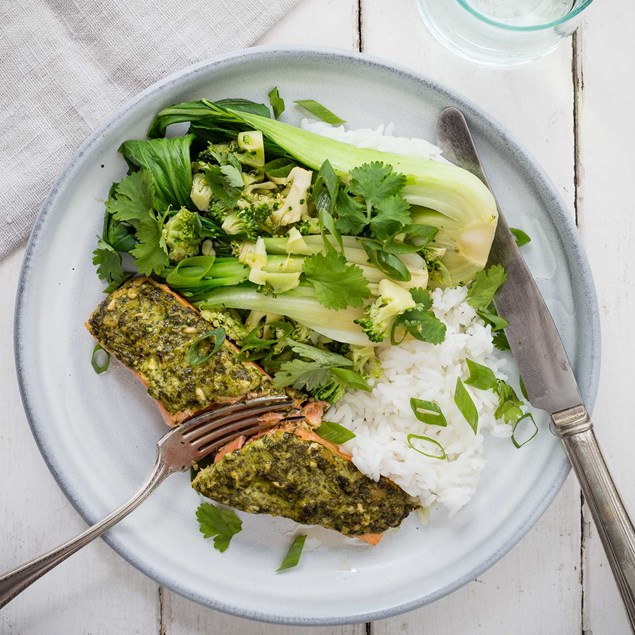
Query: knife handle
(575, 429)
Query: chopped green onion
(351, 378)
(428, 412)
(277, 103)
(439, 455)
(100, 352)
(521, 237)
(480, 376)
(194, 356)
(293, 555)
(466, 406)
(523, 390)
(320, 111)
(334, 433)
(525, 430)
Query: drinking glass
(502, 32)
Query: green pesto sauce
(151, 332)
(284, 475)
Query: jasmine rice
(383, 419)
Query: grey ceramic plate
(98, 432)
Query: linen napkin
(66, 64)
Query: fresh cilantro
(484, 286)
(420, 322)
(217, 523)
(509, 407)
(500, 341)
(233, 175)
(334, 433)
(222, 187)
(521, 237)
(492, 318)
(465, 404)
(422, 297)
(391, 215)
(293, 555)
(277, 103)
(337, 284)
(308, 374)
(109, 267)
(320, 111)
(150, 254)
(373, 199)
(133, 198)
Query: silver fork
(177, 450)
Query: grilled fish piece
(292, 472)
(151, 329)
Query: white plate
(98, 432)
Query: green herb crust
(147, 328)
(281, 474)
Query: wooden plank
(312, 22)
(535, 588)
(95, 590)
(606, 211)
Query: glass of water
(502, 32)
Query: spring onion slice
(428, 412)
(525, 430)
(334, 432)
(194, 357)
(293, 555)
(441, 455)
(100, 352)
(320, 111)
(466, 406)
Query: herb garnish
(194, 356)
(320, 111)
(100, 352)
(440, 455)
(277, 103)
(428, 412)
(521, 237)
(465, 404)
(293, 555)
(529, 418)
(217, 523)
(334, 433)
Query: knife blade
(547, 374)
(532, 333)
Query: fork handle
(15, 581)
(575, 429)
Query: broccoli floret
(229, 320)
(240, 223)
(183, 235)
(381, 314)
(331, 390)
(365, 361)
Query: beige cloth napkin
(66, 64)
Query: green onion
(320, 111)
(441, 456)
(334, 432)
(498, 323)
(98, 352)
(523, 390)
(480, 376)
(194, 356)
(428, 412)
(521, 237)
(465, 404)
(524, 431)
(277, 103)
(293, 555)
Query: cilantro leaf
(351, 219)
(222, 187)
(484, 286)
(217, 523)
(150, 254)
(109, 267)
(491, 317)
(133, 197)
(422, 298)
(337, 284)
(391, 214)
(509, 405)
(277, 103)
(375, 181)
(500, 341)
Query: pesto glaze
(150, 331)
(284, 475)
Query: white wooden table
(572, 110)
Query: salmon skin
(289, 471)
(151, 330)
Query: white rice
(383, 418)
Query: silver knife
(544, 366)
